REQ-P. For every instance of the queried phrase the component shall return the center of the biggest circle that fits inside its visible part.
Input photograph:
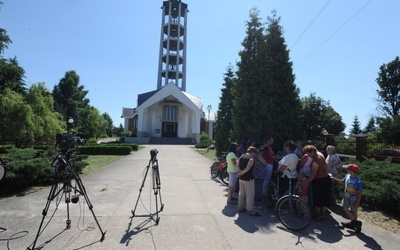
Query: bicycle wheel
(293, 213)
(224, 175)
(214, 170)
(270, 195)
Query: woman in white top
(288, 167)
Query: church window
(170, 113)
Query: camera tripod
(156, 187)
(64, 174)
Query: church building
(169, 111)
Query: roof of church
(145, 96)
(196, 100)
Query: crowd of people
(314, 177)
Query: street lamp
(209, 127)
(209, 109)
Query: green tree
(109, 124)
(317, 115)
(266, 100)
(224, 123)
(250, 75)
(47, 121)
(4, 38)
(280, 100)
(370, 127)
(311, 116)
(70, 97)
(356, 126)
(92, 123)
(11, 76)
(118, 130)
(389, 129)
(16, 119)
(389, 84)
(332, 121)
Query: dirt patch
(381, 220)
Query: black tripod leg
(158, 183)
(50, 198)
(67, 194)
(156, 192)
(157, 189)
(82, 191)
(141, 188)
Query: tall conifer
(249, 77)
(281, 89)
(266, 99)
(223, 125)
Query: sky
(336, 47)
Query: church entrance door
(169, 129)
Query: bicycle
(220, 168)
(292, 212)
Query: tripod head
(67, 144)
(69, 140)
(153, 154)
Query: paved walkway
(195, 215)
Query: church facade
(169, 111)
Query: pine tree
(370, 128)
(223, 125)
(356, 129)
(70, 97)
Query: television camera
(69, 140)
(67, 143)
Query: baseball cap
(352, 167)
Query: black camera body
(153, 153)
(69, 140)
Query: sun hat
(353, 167)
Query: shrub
(91, 141)
(204, 141)
(134, 146)
(346, 146)
(30, 167)
(26, 167)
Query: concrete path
(195, 214)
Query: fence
(359, 146)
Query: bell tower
(172, 59)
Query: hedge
(105, 150)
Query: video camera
(69, 140)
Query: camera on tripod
(69, 140)
(66, 142)
(153, 153)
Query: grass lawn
(98, 161)
(207, 153)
